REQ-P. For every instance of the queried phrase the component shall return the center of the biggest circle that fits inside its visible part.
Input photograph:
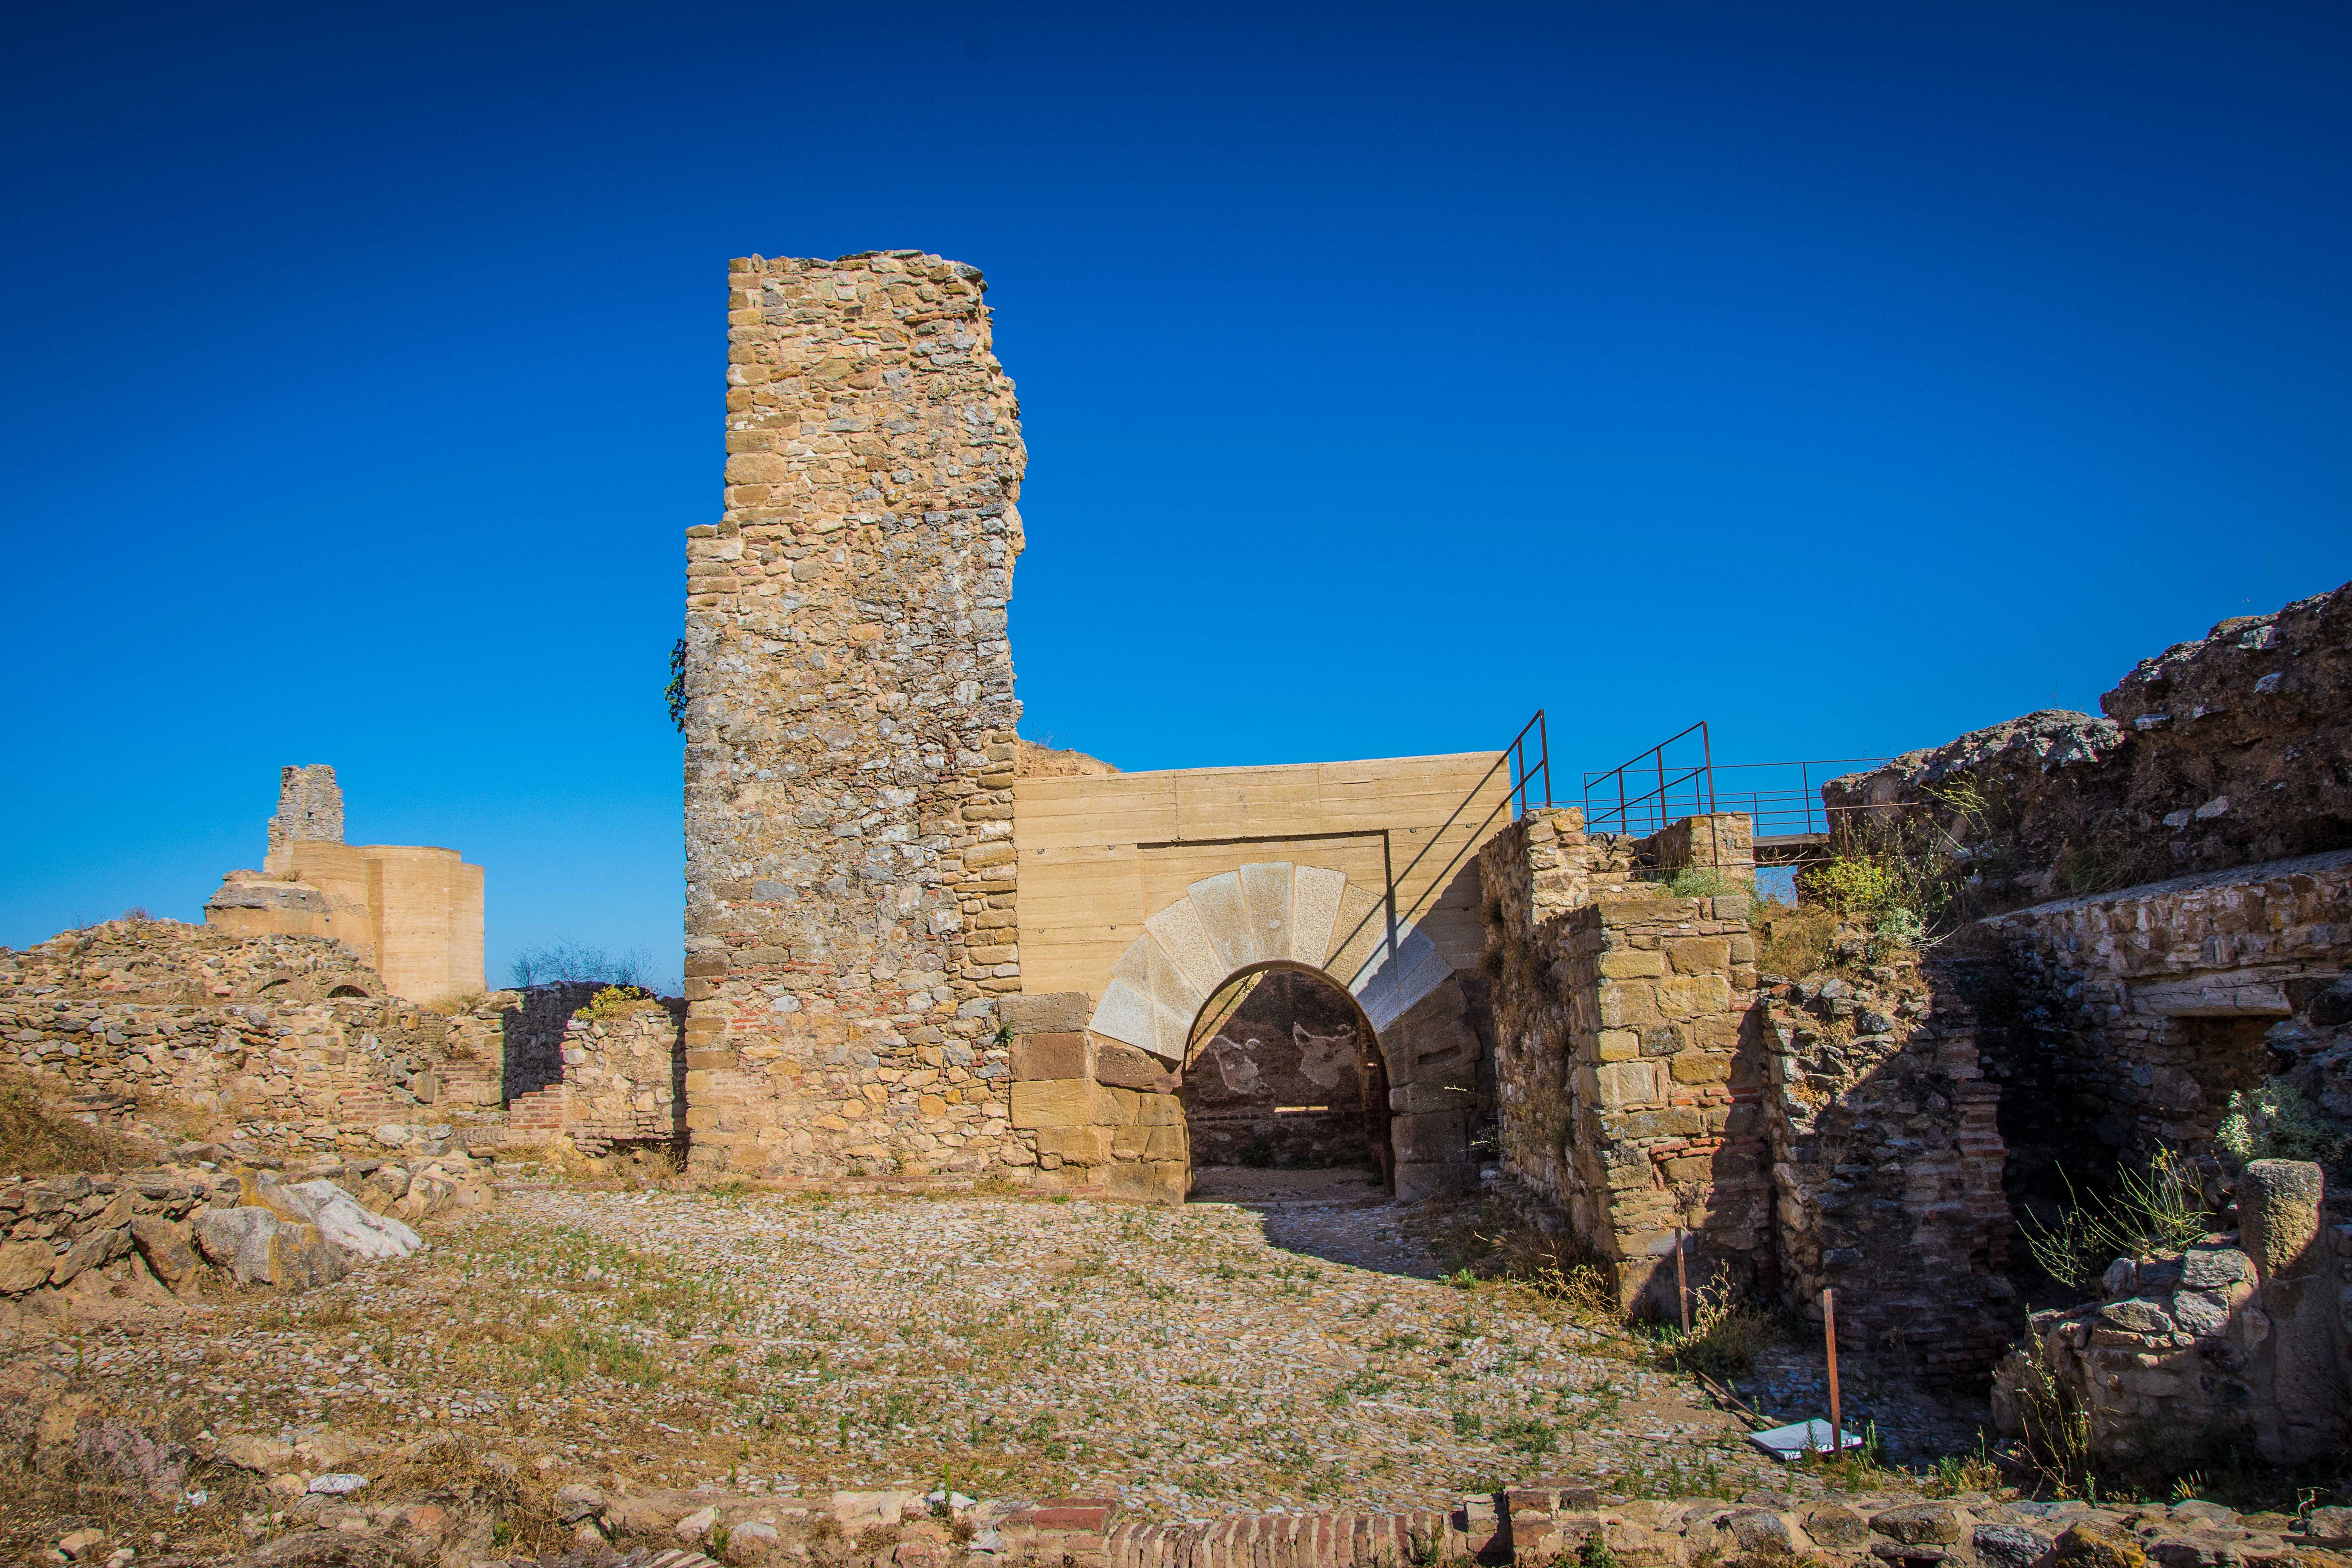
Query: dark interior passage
(1282, 1081)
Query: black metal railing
(1646, 792)
(1521, 773)
(1784, 798)
(1680, 777)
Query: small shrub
(2161, 1209)
(616, 1002)
(1708, 882)
(1792, 940)
(1725, 1334)
(2274, 1120)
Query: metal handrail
(1700, 778)
(1649, 790)
(1518, 750)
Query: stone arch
(1279, 911)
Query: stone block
(1699, 954)
(1077, 1145)
(1675, 1122)
(1431, 1137)
(2279, 1204)
(1051, 1056)
(25, 1266)
(1150, 1181)
(1416, 1180)
(169, 1249)
(1128, 1142)
(1632, 964)
(1629, 1004)
(1619, 1045)
(1046, 1013)
(1159, 1111)
(1616, 1084)
(1124, 1067)
(1166, 1142)
(1054, 1102)
(1700, 1067)
(1694, 996)
(1120, 1107)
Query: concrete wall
(1099, 857)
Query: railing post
(1543, 743)
(1706, 754)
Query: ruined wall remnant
(1886, 1162)
(2149, 1005)
(1627, 1082)
(2236, 1340)
(411, 912)
(2229, 750)
(310, 806)
(850, 747)
(286, 1038)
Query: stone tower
(310, 806)
(850, 716)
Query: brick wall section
(850, 724)
(1887, 1168)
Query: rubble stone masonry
(1627, 1102)
(850, 717)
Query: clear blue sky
(1849, 376)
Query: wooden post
(1682, 1282)
(1829, 1332)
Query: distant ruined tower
(849, 757)
(411, 912)
(310, 806)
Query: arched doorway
(1272, 915)
(1284, 1073)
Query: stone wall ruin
(849, 729)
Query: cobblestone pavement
(1299, 1353)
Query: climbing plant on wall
(675, 691)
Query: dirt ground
(1291, 1345)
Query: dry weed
(34, 1140)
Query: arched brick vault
(1279, 913)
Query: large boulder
(257, 1247)
(352, 1228)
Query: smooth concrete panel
(1362, 933)
(1127, 1015)
(1146, 967)
(1387, 989)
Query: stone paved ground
(1186, 1360)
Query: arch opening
(1283, 1072)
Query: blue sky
(1846, 375)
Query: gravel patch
(1301, 1355)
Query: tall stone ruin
(310, 806)
(849, 725)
